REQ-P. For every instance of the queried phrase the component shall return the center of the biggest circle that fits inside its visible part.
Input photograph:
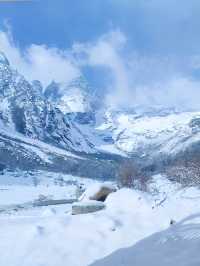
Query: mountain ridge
(151, 137)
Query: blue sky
(152, 26)
(154, 41)
(57, 23)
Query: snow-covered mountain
(69, 116)
(147, 133)
(151, 132)
(70, 98)
(25, 110)
(151, 135)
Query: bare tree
(131, 177)
(186, 173)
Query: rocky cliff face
(24, 109)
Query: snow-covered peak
(74, 100)
(70, 98)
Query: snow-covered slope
(20, 152)
(150, 133)
(178, 245)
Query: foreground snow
(179, 245)
(51, 236)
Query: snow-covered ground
(178, 245)
(21, 187)
(51, 236)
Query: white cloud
(106, 52)
(141, 80)
(39, 61)
(178, 92)
(136, 79)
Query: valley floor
(51, 236)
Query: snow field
(53, 237)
